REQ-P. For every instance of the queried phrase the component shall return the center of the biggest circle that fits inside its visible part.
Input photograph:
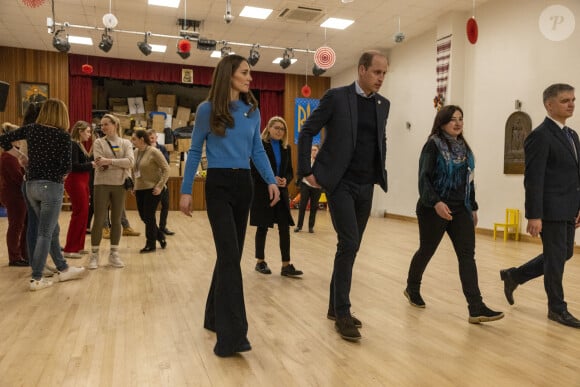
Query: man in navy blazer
(552, 183)
(350, 161)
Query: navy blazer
(337, 112)
(552, 174)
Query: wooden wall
(23, 65)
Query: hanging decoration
(110, 20)
(33, 3)
(324, 57)
(184, 46)
(443, 59)
(472, 30)
(87, 68)
(306, 91)
(471, 27)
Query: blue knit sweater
(240, 144)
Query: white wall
(511, 60)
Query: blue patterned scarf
(454, 166)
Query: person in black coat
(262, 215)
(552, 183)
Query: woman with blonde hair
(11, 179)
(49, 160)
(76, 185)
(262, 215)
(113, 162)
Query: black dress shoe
(414, 298)
(564, 318)
(163, 243)
(147, 249)
(19, 263)
(166, 231)
(331, 316)
(297, 229)
(311, 230)
(509, 284)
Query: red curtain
(271, 85)
(271, 104)
(80, 98)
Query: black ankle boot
(147, 249)
(414, 298)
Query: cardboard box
(123, 109)
(183, 113)
(174, 170)
(158, 123)
(169, 100)
(165, 109)
(114, 101)
(183, 144)
(169, 147)
(178, 124)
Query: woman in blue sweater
(228, 122)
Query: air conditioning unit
(301, 14)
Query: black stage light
(145, 47)
(60, 41)
(285, 62)
(106, 42)
(254, 55)
(317, 71)
(206, 44)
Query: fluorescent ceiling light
(165, 3)
(277, 60)
(80, 40)
(339, 24)
(255, 12)
(158, 48)
(218, 54)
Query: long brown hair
(76, 135)
(220, 95)
(444, 117)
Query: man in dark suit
(552, 183)
(350, 161)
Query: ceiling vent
(301, 14)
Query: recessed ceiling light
(80, 40)
(339, 24)
(158, 48)
(216, 54)
(255, 12)
(165, 3)
(277, 60)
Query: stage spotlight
(106, 42)
(254, 55)
(206, 44)
(285, 62)
(60, 41)
(317, 71)
(226, 50)
(145, 47)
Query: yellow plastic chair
(511, 225)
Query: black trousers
(350, 206)
(164, 199)
(147, 205)
(308, 193)
(283, 232)
(228, 196)
(558, 247)
(461, 231)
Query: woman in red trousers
(76, 185)
(11, 178)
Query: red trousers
(13, 200)
(77, 187)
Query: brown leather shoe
(128, 231)
(346, 329)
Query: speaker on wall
(3, 94)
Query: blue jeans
(45, 200)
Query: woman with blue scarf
(447, 204)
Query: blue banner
(302, 109)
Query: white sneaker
(114, 260)
(34, 285)
(71, 273)
(93, 261)
(71, 255)
(48, 270)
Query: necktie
(568, 132)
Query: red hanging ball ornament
(184, 45)
(33, 3)
(87, 68)
(472, 30)
(306, 91)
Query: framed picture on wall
(187, 76)
(32, 93)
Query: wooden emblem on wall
(517, 128)
(187, 76)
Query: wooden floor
(142, 325)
